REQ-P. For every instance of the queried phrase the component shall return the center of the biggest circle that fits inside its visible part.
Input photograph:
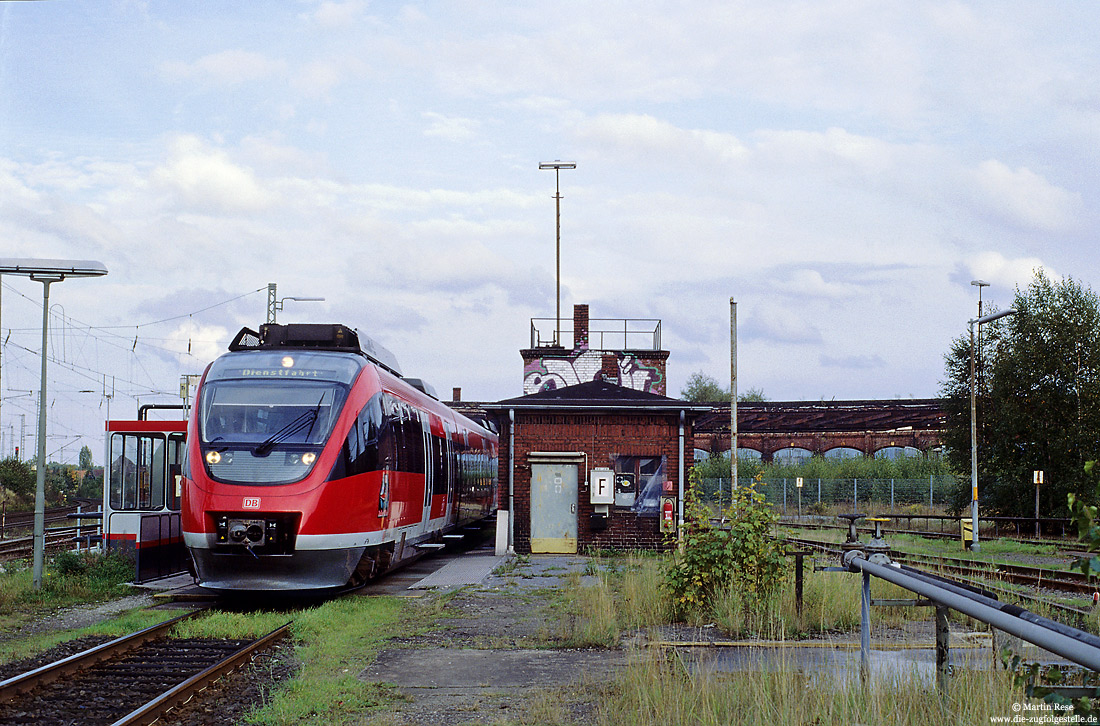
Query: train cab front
(258, 437)
(254, 551)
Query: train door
(141, 498)
(427, 467)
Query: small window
(638, 482)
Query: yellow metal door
(554, 508)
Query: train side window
(387, 436)
(439, 465)
(411, 450)
(370, 420)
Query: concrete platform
(468, 569)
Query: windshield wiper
(307, 418)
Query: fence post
(784, 497)
(819, 490)
(855, 495)
(891, 496)
(798, 564)
(943, 652)
(865, 630)
(930, 505)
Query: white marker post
(1037, 476)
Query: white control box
(602, 489)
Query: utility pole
(557, 166)
(733, 398)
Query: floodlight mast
(557, 166)
(975, 545)
(47, 272)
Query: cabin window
(138, 471)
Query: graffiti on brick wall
(641, 376)
(548, 374)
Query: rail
(157, 676)
(603, 333)
(1052, 527)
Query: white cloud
(198, 343)
(338, 14)
(225, 68)
(1006, 273)
(649, 137)
(1025, 197)
(811, 283)
(318, 78)
(450, 128)
(208, 179)
(777, 322)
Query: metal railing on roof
(603, 333)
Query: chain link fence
(829, 496)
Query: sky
(843, 169)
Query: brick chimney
(456, 394)
(580, 327)
(609, 368)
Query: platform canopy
(33, 267)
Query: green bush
(737, 552)
(91, 570)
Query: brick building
(594, 465)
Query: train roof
(315, 336)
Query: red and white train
(312, 464)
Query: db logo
(251, 503)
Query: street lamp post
(47, 272)
(974, 426)
(557, 166)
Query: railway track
(135, 679)
(981, 572)
(57, 538)
(13, 523)
(926, 533)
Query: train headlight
(308, 458)
(287, 362)
(213, 457)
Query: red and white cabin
(141, 496)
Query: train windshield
(269, 413)
(264, 418)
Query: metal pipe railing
(1069, 643)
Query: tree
(1038, 400)
(701, 388)
(85, 459)
(18, 478)
(753, 395)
